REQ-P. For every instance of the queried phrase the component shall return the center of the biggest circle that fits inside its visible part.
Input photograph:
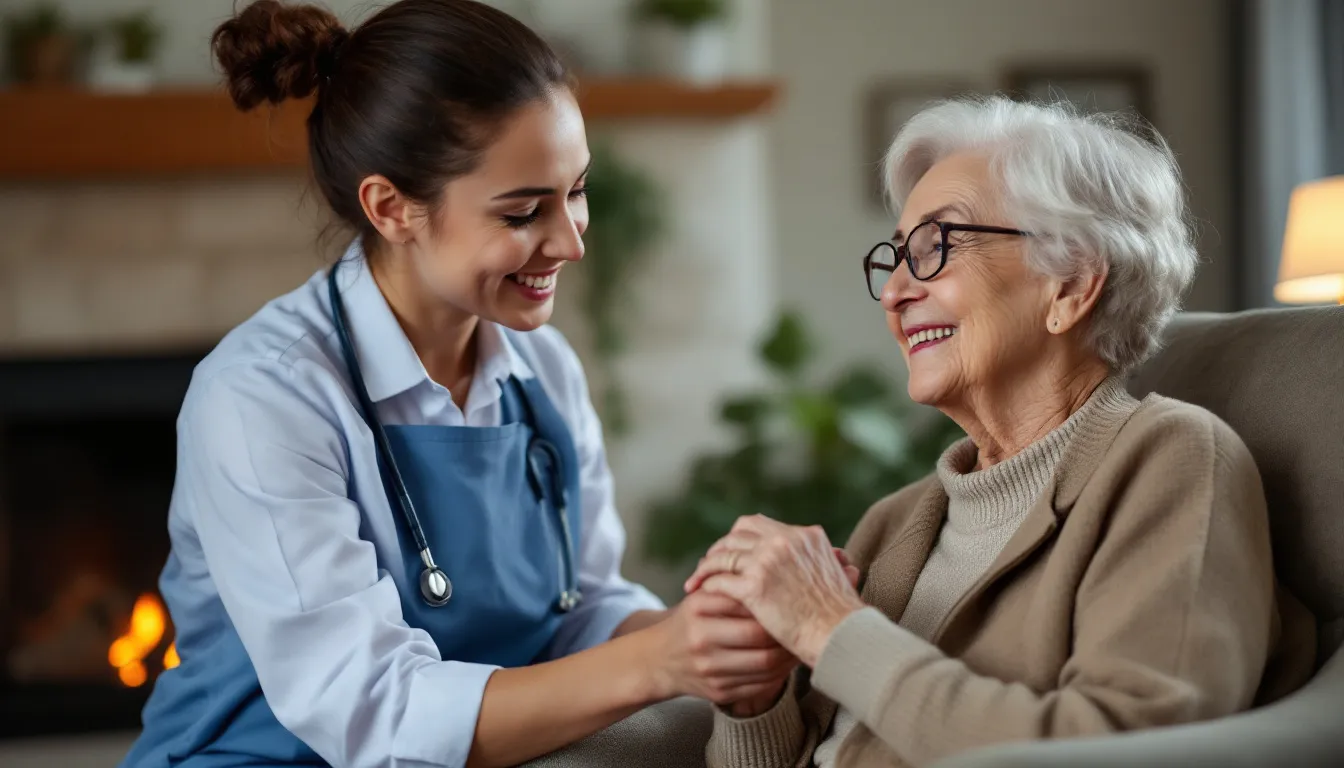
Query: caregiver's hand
(712, 648)
(790, 578)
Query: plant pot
(47, 60)
(698, 54)
(122, 76)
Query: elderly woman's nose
(901, 289)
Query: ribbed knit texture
(772, 738)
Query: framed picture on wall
(889, 104)
(1090, 87)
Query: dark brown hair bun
(416, 93)
(271, 51)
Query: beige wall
(829, 53)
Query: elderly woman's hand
(791, 579)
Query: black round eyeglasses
(924, 251)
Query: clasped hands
(763, 599)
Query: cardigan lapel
(892, 574)
(1036, 529)
(1081, 459)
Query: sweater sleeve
(1173, 618)
(777, 738)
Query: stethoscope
(435, 587)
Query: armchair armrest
(1305, 728)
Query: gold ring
(732, 561)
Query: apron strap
(561, 463)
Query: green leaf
(814, 414)
(860, 386)
(747, 411)
(787, 349)
(876, 431)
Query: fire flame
(127, 653)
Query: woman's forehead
(958, 184)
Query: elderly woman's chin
(935, 376)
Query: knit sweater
(984, 509)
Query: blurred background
(735, 356)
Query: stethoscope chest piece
(435, 587)
(569, 600)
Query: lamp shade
(1311, 268)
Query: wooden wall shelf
(50, 134)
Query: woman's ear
(388, 210)
(1073, 300)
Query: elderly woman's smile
(922, 337)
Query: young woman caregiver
(393, 537)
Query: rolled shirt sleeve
(266, 471)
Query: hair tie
(331, 51)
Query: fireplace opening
(87, 460)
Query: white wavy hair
(1094, 191)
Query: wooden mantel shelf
(50, 134)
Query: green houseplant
(683, 13)
(683, 39)
(625, 217)
(137, 36)
(129, 64)
(41, 46)
(803, 454)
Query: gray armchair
(1276, 376)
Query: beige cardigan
(1139, 591)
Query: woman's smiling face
(983, 314)
(503, 231)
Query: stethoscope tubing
(375, 425)
(435, 587)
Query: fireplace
(87, 457)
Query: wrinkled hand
(713, 649)
(789, 577)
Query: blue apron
(501, 546)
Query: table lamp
(1311, 268)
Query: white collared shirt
(279, 510)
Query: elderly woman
(1083, 563)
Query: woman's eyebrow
(514, 194)
(934, 215)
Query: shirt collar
(387, 360)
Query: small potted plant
(41, 46)
(131, 43)
(683, 39)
